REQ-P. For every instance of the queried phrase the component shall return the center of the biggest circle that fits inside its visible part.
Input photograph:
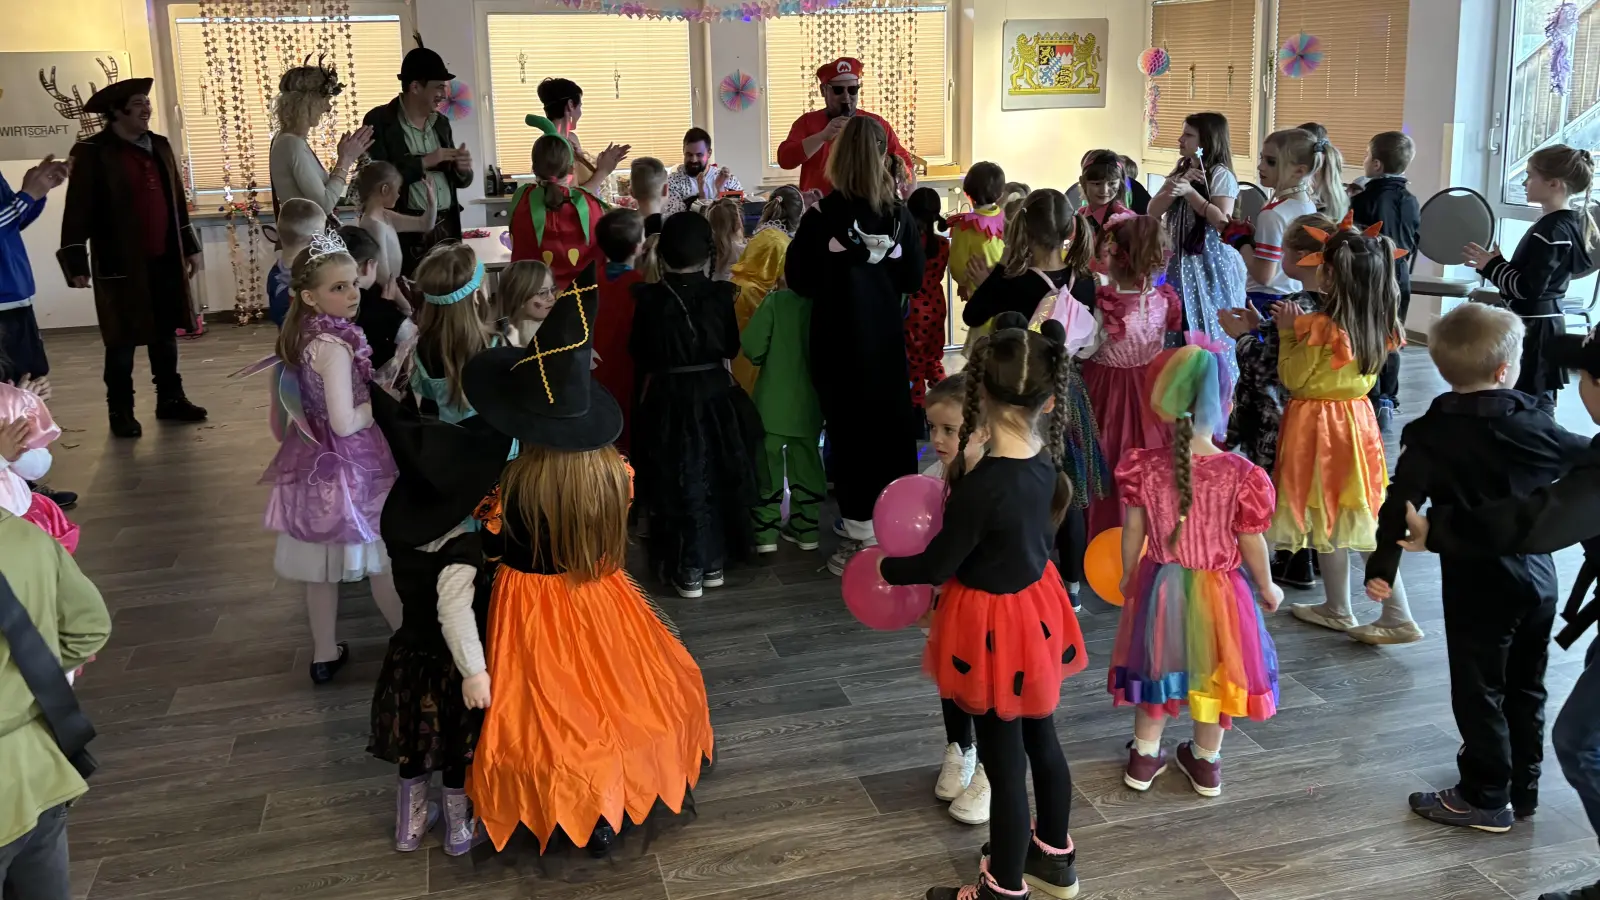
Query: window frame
(699, 64)
(773, 175)
(169, 84)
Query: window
(1536, 116)
(375, 41)
(642, 97)
(1357, 91)
(797, 45)
(1212, 45)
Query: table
(491, 252)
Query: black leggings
(957, 725)
(1072, 540)
(453, 777)
(1008, 750)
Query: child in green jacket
(777, 340)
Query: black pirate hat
(544, 395)
(115, 96)
(445, 470)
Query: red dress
(925, 324)
(613, 324)
(564, 240)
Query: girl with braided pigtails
(1004, 635)
(1191, 634)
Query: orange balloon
(1102, 565)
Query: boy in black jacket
(1476, 444)
(1553, 517)
(1386, 199)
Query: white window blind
(1359, 90)
(377, 45)
(634, 74)
(792, 89)
(1212, 45)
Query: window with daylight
(1537, 116)
(376, 44)
(642, 97)
(1212, 45)
(912, 40)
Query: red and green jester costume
(555, 223)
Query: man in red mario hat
(811, 135)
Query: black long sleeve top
(1022, 294)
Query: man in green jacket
(778, 341)
(39, 783)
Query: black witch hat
(445, 471)
(544, 396)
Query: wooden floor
(227, 776)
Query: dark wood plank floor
(226, 775)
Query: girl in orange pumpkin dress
(1331, 473)
(598, 715)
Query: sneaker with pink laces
(1142, 770)
(1206, 777)
(985, 889)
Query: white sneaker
(766, 548)
(841, 557)
(956, 772)
(972, 807)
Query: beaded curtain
(883, 35)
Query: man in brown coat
(125, 202)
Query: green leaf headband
(460, 293)
(546, 126)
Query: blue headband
(460, 293)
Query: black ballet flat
(323, 672)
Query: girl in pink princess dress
(26, 432)
(1135, 315)
(333, 472)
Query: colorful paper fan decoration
(458, 102)
(1561, 29)
(1154, 62)
(1300, 55)
(739, 91)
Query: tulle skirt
(1331, 476)
(328, 563)
(419, 716)
(1122, 412)
(1195, 638)
(1005, 653)
(1210, 281)
(598, 709)
(333, 493)
(43, 512)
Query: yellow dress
(1330, 473)
(756, 273)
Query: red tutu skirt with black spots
(1005, 653)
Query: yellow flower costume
(756, 273)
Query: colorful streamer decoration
(458, 102)
(1300, 55)
(1561, 29)
(733, 12)
(739, 91)
(1154, 63)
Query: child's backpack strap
(1078, 320)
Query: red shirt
(148, 191)
(813, 171)
(613, 327)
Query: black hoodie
(1532, 284)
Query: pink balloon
(909, 512)
(876, 603)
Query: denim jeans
(34, 866)
(1577, 737)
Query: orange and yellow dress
(1330, 473)
(756, 273)
(598, 711)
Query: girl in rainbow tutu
(1191, 633)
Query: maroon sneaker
(1205, 776)
(1142, 770)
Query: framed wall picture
(42, 97)
(1053, 63)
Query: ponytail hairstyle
(650, 259)
(1324, 167)
(1187, 385)
(1012, 374)
(450, 332)
(552, 164)
(727, 233)
(1574, 168)
(1044, 221)
(783, 210)
(1137, 249)
(925, 206)
(1360, 294)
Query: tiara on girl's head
(460, 293)
(1312, 260)
(325, 242)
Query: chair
(1251, 200)
(1451, 219)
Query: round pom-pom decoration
(1154, 62)
(1300, 55)
(738, 91)
(457, 101)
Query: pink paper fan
(1300, 55)
(739, 91)
(458, 102)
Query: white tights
(1336, 588)
(322, 608)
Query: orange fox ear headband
(1312, 260)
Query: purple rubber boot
(461, 829)
(414, 814)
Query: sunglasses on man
(839, 90)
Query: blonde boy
(298, 220)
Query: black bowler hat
(445, 471)
(544, 395)
(115, 95)
(422, 64)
